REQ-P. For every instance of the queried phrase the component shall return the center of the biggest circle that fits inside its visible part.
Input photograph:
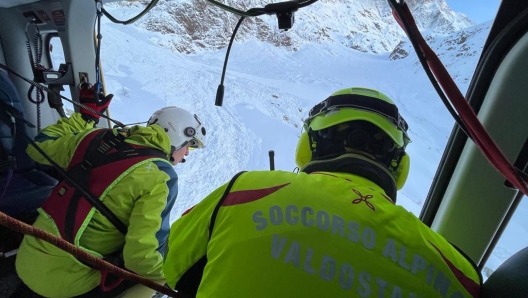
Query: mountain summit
(191, 26)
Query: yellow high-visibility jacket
(280, 234)
(141, 198)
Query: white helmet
(182, 127)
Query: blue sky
(477, 10)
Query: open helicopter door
(470, 202)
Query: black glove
(99, 105)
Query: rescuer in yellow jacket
(331, 230)
(132, 176)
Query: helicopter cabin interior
(470, 203)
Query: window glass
(430, 123)
(514, 238)
(397, 73)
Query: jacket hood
(152, 136)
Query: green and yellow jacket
(280, 234)
(141, 197)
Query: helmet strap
(171, 158)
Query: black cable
(54, 101)
(253, 12)
(28, 47)
(135, 123)
(306, 3)
(99, 13)
(131, 20)
(46, 89)
(35, 60)
(12, 112)
(89, 197)
(286, 7)
(396, 6)
(220, 90)
(38, 45)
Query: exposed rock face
(458, 51)
(190, 26)
(457, 44)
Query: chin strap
(357, 165)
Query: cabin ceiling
(12, 3)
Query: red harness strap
(468, 116)
(100, 158)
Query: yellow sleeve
(189, 236)
(148, 228)
(60, 140)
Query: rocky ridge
(191, 26)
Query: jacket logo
(149, 167)
(363, 199)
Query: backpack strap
(221, 201)
(188, 284)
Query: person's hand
(99, 105)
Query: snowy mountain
(457, 50)
(192, 26)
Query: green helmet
(356, 103)
(344, 110)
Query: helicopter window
(57, 58)
(512, 240)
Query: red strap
(468, 117)
(102, 283)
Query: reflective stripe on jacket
(280, 234)
(141, 198)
